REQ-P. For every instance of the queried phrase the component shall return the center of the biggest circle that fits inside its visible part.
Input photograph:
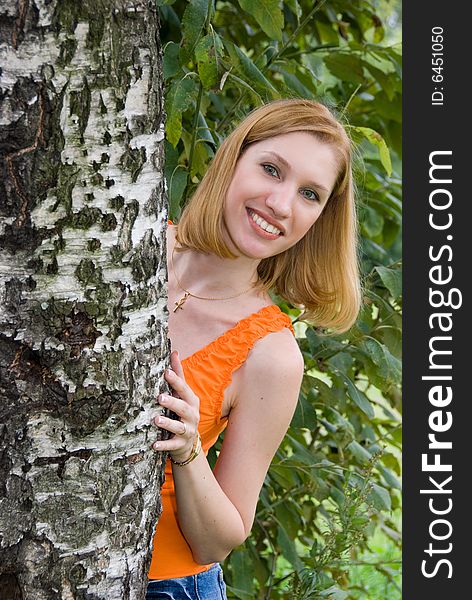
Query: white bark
(83, 329)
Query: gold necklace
(179, 303)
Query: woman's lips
(258, 229)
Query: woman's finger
(174, 426)
(171, 445)
(180, 407)
(180, 386)
(176, 364)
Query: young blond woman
(275, 211)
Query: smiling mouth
(263, 224)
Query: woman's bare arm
(216, 509)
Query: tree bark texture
(83, 318)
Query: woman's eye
(271, 170)
(310, 194)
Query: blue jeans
(208, 585)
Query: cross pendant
(179, 303)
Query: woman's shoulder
(275, 359)
(171, 231)
(273, 370)
(275, 350)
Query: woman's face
(279, 189)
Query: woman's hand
(186, 405)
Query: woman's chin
(252, 245)
(257, 250)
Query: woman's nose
(280, 202)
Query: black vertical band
(437, 340)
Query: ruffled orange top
(208, 372)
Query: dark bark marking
(80, 105)
(79, 332)
(19, 22)
(61, 460)
(145, 261)
(133, 160)
(26, 362)
(9, 158)
(9, 587)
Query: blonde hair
(320, 272)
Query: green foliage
(268, 15)
(368, 582)
(335, 479)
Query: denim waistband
(208, 585)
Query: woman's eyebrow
(283, 162)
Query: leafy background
(327, 524)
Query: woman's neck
(210, 275)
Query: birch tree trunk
(83, 329)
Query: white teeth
(263, 224)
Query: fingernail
(169, 372)
(156, 446)
(160, 420)
(162, 400)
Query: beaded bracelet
(197, 446)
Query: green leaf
(385, 80)
(208, 53)
(294, 84)
(179, 97)
(389, 366)
(347, 67)
(357, 396)
(392, 280)
(249, 72)
(359, 452)
(315, 341)
(243, 84)
(295, 7)
(334, 593)
(326, 33)
(238, 593)
(305, 414)
(380, 497)
(288, 548)
(390, 109)
(286, 514)
(300, 452)
(177, 185)
(193, 21)
(389, 477)
(204, 132)
(171, 65)
(391, 461)
(242, 570)
(372, 222)
(379, 33)
(284, 477)
(261, 570)
(376, 139)
(341, 360)
(202, 155)
(337, 495)
(268, 14)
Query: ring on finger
(184, 431)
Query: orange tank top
(208, 372)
